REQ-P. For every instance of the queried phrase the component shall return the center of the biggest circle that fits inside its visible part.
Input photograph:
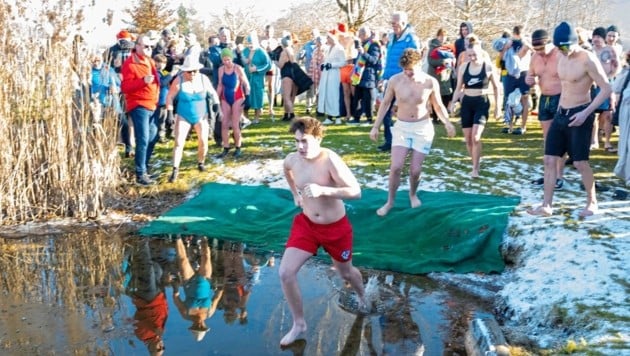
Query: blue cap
(564, 34)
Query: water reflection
(123, 295)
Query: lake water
(98, 293)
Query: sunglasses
(565, 48)
(192, 71)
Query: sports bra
(478, 81)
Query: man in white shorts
(413, 130)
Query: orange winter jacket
(137, 92)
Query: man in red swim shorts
(319, 181)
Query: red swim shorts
(335, 238)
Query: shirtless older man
(572, 125)
(319, 181)
(413, 89)
(543, 69)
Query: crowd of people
(579, 84)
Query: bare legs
(473, 145)
(292, 260)
(231, 118)
(588, 180)
(398, 156)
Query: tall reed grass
(56, 161)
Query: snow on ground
(568, 279)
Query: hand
(312, 190)
(374, 134)
(450, 129)
(578, 119)
(530, 80)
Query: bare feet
(474, 174)
(293, 334)
(415, 202)
(590, 210)
(382, 211)
(541, 211)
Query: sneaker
(173, 176)
(505, 130)
(559, 184)
(338, 121)
(224, 153)
(385, 147)
(328, 122)
(201, 167)
(539, 181)
(354, 121)
(144, 180)
(518, 131)
(245, 122)
(237, 152)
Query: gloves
(325, 66)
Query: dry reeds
(57, 160)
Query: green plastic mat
(451, 231)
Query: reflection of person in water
(148, 296)
(237, 288)
(199, 303)
(400, 333)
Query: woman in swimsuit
(232, 88)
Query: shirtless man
(572, 125)
(413, 89)
(610, 63)
(544, 67)
(319, 181)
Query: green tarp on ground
(451, 231)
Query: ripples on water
(81, 294)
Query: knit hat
(539, 36)
(564, 34)
(123, 35)
(599, 31)
(612, 28)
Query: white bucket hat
(190, 64)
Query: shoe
(370, 121)
(286, 117)
(201, 167)
(559, 184)
(245, 122)
(518, 131)
(144, 180)
(385, 147)
(338, 121)
(505, 130)
(224, 153)
(539, 181)
(163, 139)
(620, 194)
(328, 122)
(237, 152)
(173, 176)
(598, 187)
(354, 121)
(610, 149)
